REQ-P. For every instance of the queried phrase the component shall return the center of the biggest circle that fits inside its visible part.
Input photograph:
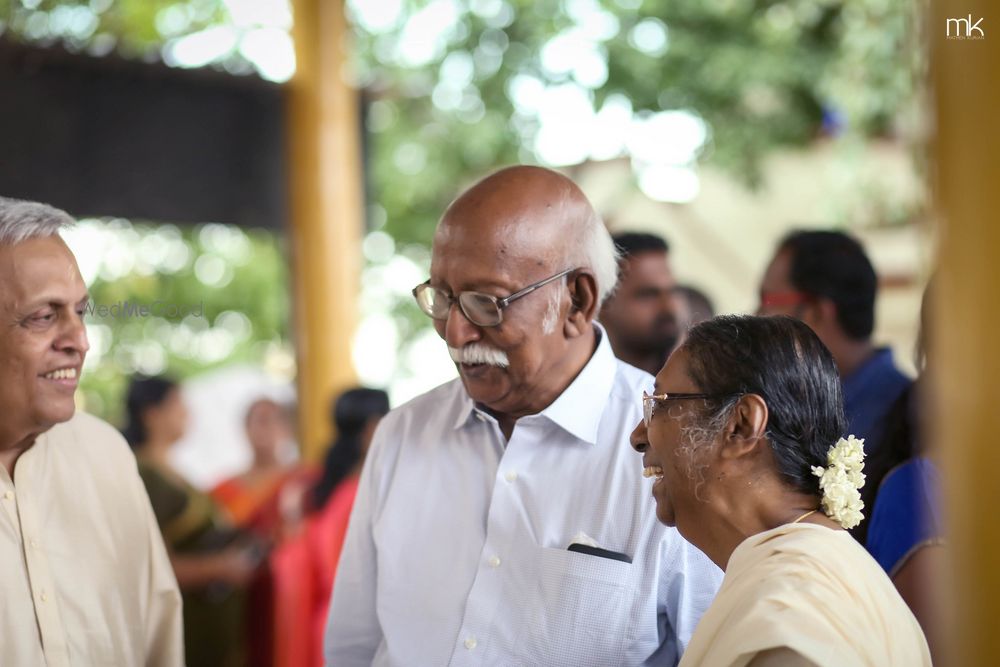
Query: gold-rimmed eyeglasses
(649, 400)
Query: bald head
(529, 232)
(535, 215)
(521, 200)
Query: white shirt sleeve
(353, 633)
(688, 584)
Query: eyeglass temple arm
(504, 302)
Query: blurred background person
(253, 503)
(211, 561)
(251, 498)
(825, 279)
(305, 565)
(905, 527)
(694, 306)
(640, 316)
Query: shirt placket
(8, 500)
(475, 644)
(40, 581)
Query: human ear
(583, 303)
(746, 427)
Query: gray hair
(698, 436)
(551, 318)
(22, 220)
(594, 249)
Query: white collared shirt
(457, 547)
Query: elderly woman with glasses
(742, 438)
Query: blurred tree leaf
(762, 74)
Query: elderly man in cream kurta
(84, 576)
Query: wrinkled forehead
(505, 236)
(501, 246)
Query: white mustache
(477, 353)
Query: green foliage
(213, 294)
(135, 28)
(762, 75)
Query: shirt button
(34, 544)
(495, 561)
(8, 495)
(510, 476)
(470, 643)
(43, 597)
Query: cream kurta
(815, 591)
(84, 576)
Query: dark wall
(106, 136)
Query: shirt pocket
(582, 614)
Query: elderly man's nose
(74, 336)
(458, 330)
(638, 438)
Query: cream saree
(814, 591)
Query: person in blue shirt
(905, 529)
(825, 279)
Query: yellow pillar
(966, 169)
(327, 212)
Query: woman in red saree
(305, 564)
(252, 501)
(251, 498)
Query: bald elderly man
(84, 576)
(500, 518)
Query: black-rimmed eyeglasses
(484, 310)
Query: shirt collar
(578, 410)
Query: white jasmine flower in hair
(849, 452)
(841, 480)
